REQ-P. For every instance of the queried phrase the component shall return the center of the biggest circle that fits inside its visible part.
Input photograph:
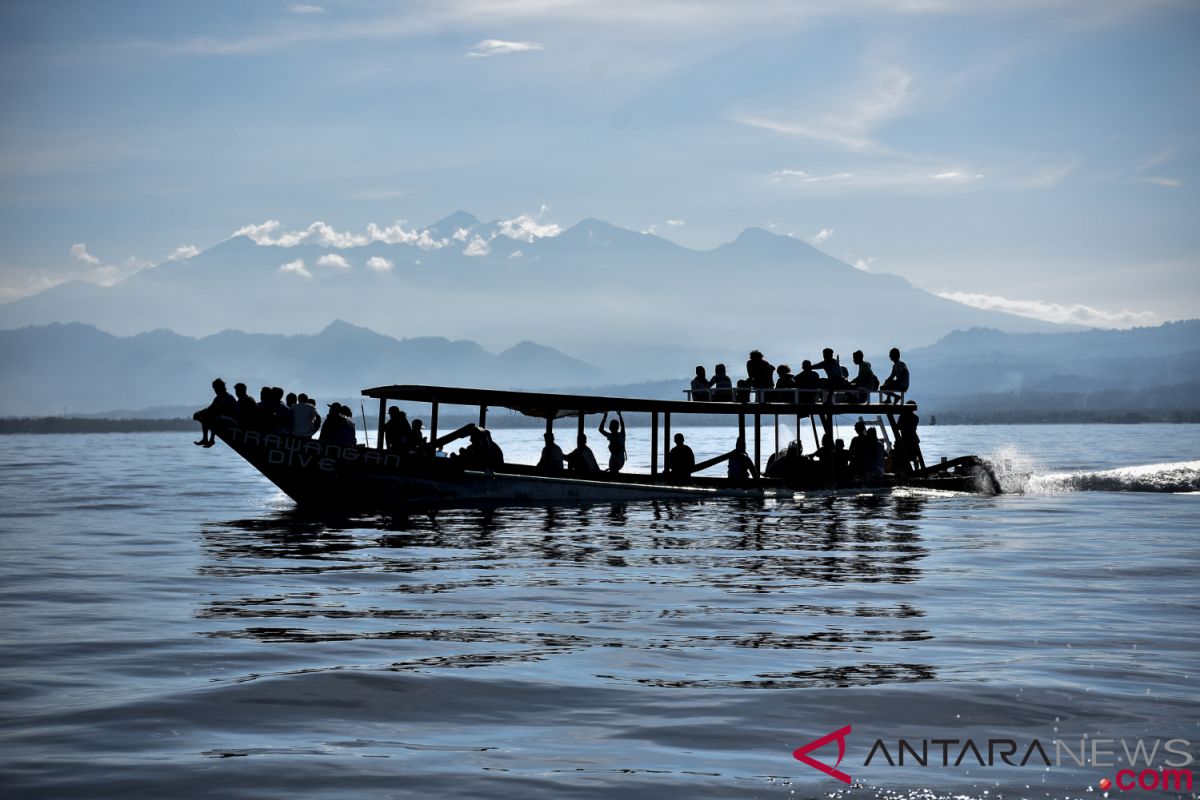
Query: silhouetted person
(759, 372)
(808, 379)
(291, 399)
(247, 408)
(787, 463)
(551, 461)
(833, 370)
(858, 447)
(786, 379)
(282, 413)
(616, 441)
(339, 426)
(874, 457)
(700, 385)
(305, 419)
(681, 460)
(482, 453)
(897, 382)
(581, 460)
(721, 384)
(907, 442)
(865, 381)
(741, 467)
(416, 440)
(222, 406)
(266, 409)
(397, 430)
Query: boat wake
(1178, 477)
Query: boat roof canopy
(547, 405)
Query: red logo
(802, 753)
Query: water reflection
(727, 594)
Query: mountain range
(633, 304)
(79, 369)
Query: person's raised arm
(622, 421)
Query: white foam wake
(1179, 476)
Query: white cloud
(499, 47)
(850, 122)
(259, 234)
(79, 251)
(799, 175)
(304, 8)
(905, 177)
(864, 264)
(379, 264)
(295, 267)
(1075, 314)
(183, 252)
(477, 247)
(526, 227)
(333, 260)
(675, 223)
(461, 235)
(822, 235)
(1170, 182)
(321, 233)
(515, 254)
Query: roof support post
(483, 416)
(758, 442)
(666, 437)
(433, 421)
(382, 409)
(654, 444)
(580, 433)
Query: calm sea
(173, 629)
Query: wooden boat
(356, 477)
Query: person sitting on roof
(721, 384)
(741, 467)
(834, 378)
(786, 381)
(808, 379)
(397, 430)
(700, 385)
(759, 375)
(897, 382)
(616, 441)
(759, 372)
(581, 460)
(551, 461)
(865, 381)
(223, 406)
(681, 461)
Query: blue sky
(1033, 156)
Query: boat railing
(795, 396)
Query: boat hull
(353, 477)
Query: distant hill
(633, 304)
(78, 369)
